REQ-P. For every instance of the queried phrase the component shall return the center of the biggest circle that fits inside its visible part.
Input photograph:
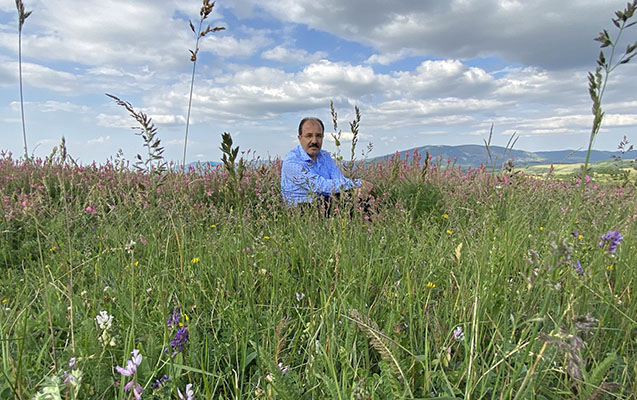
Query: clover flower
(188, 393)
(613, 238)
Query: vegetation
(478, 293)
(143, 281)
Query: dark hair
(304, 120)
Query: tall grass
(474, 284)
(267, 290)
(22, 16)
(199, 33)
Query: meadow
(150, 280)
(461, 284)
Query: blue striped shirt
(302, 179)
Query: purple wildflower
(458, 334)
(137, 389)
(131, 368)
(188, 393)
(578, 268)
(613, 238)
(173, 320)
(159, 382)
(131, 365)
(177, 344)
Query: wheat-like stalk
(379, 341)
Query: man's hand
(365, 190)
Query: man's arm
(298, 181)
(362, 189)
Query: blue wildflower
(158, 382)
(578, 268)
(173, 320)
(613, 238)
(177, 344)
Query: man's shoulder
(296, 155)
(325, 156)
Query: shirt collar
(306, 157)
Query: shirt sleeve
(302, 182)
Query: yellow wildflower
(610, 267)
(445, 216)
(4, 301)
(213, 226)
(266, 237)
(52, 249)
(541, 228)
(195, 260)
(431, 285)
(449, 231)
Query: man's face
(311, 138)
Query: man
(309, 173)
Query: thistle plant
(205, 11)
(22, 16)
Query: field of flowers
(122, 284)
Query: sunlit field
(147, 279)
(461, 283)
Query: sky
(422, 72)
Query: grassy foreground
(463, 284)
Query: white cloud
(52, 106)
(544, 33)
(290, 55)
(99, 140)
(411, 67)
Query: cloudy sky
(421, 71)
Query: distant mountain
(202, 164)
(472, 155)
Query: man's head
(311, 136)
